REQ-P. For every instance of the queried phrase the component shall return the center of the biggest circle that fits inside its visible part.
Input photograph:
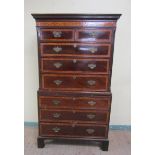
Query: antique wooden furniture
(75, 55)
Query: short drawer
(100, 66)
(75, 102)
(75, 82)
(90, 116)
(73, 130)
(56, 34)
(75, 49)
(94, 35)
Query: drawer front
(97, 35)
(75, 102)
(75, 65)
(93, 103)
(75, 82)
(75, 49)
(56, 35)
(74, 115)
(78, 130)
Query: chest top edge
(76, 16)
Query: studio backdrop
(120, 86)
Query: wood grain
(63, 102)
(75, 24)
(75, 50)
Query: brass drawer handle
(92, 66)
(74, 61)
(90, 116)
(58, 82)
(74, 77)
(90, 131)
(73, 98)
(57, 49)
(93, 50)
(57, 64)
(56, 129)
(75, 45)
(91, 82)
(91, 103)
(56, 115)
(93, 34)
(56, 102)
(57, 34)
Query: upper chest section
(79, 28)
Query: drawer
(75, 49)
(90, 116)
(94, 35)
(75, 102)
(73, 130)
(75, 82)
(56, 34)
(91, 66)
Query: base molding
(102, 143)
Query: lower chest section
(74, 115)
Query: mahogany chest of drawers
(75, 55)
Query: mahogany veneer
(75, 56)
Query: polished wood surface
(73, 130)
(75, 49)
(87, 116)
(75, 82)
(56, 35)
(75, 65)
(75, 57)
(93, 35)
(75, 24)
(63, 102)
(45, 17)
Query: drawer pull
(73, 98)
(57, 64)
(93, 50)
(74, 61)
(91, 82)
(56, 115)
(57, 34)
(90, 116)
(90, 131)
(56, 129)
(92, 66)
(93, 34)
(57, 49)
(75, 45)
(56, 102)
(74, 77)
(91, 103)
(58, 82)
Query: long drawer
(90, 116)
(59, 65)
(52, 102)
(73, 130)
(75, 49)
(75, 82)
